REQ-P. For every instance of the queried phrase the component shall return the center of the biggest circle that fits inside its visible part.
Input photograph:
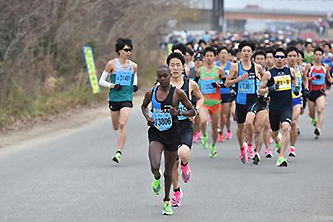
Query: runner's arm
(108, 69)
(328, 76)
(197, 93)
(263, 85)
(294, 74)
(144, 108)
(306, 77)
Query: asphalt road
(72, 178)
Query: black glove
(296, 90)
(273, 88)
(306, 93)
(118, 87)
(318, 76)
(135, 88)
(214, 84)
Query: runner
(163, 133)
(277, 82)
(308, 53)
(189, 58)
(261, 124)
(328, 57)
(269, 59)
(176, 62)
(123, 82)
(246, 79)
(292, 57)
(195, 75)
(318, 75)
(226, 98)
(210, 76)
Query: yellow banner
(90, 64)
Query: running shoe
(256, 158)
(186, 173)
(221, 138)
(243, 154)
(268, 153)
(156, 186)
(281, 162)
(117, 157)
(250, 151)
(195, 138)
(213, 152)
(199, 134)
(278, 147)
(317, 133)
(167, 210)
(204, 141)
(176, 198)
(314, 121)
(229, 135)
(292, 151)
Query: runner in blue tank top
(123, 82)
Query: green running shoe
(167, 210)
(117, 157)
(281, 162)
(314, 121)
(278, 147)
(204, 141)
(156, 186)
(213, 152)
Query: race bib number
(206, 87)
(181, 107)
(124, 78)
(320, 81)
(284, 82)
(246, 86)
(162, 121)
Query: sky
(300, 5)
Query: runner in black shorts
(163, 134)
(176, 64)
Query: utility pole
(218, 15)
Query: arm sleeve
(135, 81)
(103, 82)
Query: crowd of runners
(263, 88)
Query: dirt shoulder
(63, 123)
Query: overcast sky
(300, 5)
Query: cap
(198, 56)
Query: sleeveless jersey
(281, 99)
(186, 88)
(123, 76)
(247, 89)
(317, 84)
(160, 111)
(212, 96)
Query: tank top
(186, 88)
(317, 84)
(212, 96)
(247, 89)
(226, 69)
(161, 111)
(123, 76)
(282, 98)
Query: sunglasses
(127, 50)
(279, 57)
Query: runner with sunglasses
(123, 82)
(278, 84)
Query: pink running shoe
(229, 135)
(243, 154)
(195, 138)
(176, 198)
(268, 153)
(250, 151)
(292, 151)
(221, 138)
(186, 173)
(199, 134)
